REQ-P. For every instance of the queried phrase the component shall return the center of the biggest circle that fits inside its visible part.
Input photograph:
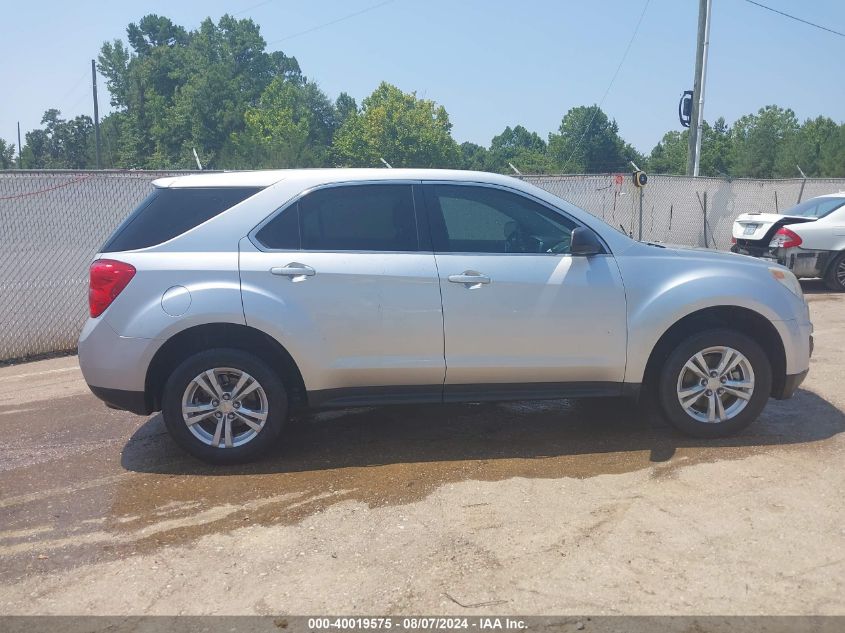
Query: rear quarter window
(166, 213)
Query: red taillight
(107, 279)
(733, 240)
(785, 238)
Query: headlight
(788, 280)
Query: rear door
(521, 315)
(341, 278)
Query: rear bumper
(133, 401)
(746, 247)
(113, 362)
(802, 262)
(115, 367)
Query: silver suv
(227, 300)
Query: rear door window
(347, 218)
(166, 213)
(282, 232)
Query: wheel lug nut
(720, 391)
(713, 374)
(217, 414)
(237, 405)
(723, 380)
(231, 416)
(703, 382)
(709, 392)
(215, 403)
(225, 396)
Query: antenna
(197, 158)
(386, 164)
(519, 173)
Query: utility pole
(96, 116)
(20, 156)
(704, 7)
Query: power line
(255, 6)
(609, 86)
(797, 19)
(76, 85)
(335, 21)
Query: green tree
(291, 126)
(7, 155)
(60, 144)
(175, 90)
(345, 106)
(524, 149)
(398, 127)
(669, 156)
(716, 149)
(758, 142)
(589, 142)
(474, 157)
(832, 155)
(815, 139)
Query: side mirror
(585, 242)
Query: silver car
(228, 300)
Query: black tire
(184, 374)
(667, 387)
(830, 279)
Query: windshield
(816, 207)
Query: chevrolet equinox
(227, 300)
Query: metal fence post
(640, 238)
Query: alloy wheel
(840, 273)
(715, 385)
(224, 407)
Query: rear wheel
(835, 277)
(715, 383)
(224, 406)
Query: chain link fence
(51, 225)
(53, 222)
(678, 209)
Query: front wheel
(715, 383)
(224, 406)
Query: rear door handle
(470, 278)
(294, 270)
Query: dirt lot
(528, 508)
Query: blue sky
(490, 63)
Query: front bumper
(787, 388)
(790, 385)
(132, 401)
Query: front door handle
(470, 279)
(294, 270)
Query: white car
(809, 238)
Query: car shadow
(569, 438)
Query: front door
(520, 312)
